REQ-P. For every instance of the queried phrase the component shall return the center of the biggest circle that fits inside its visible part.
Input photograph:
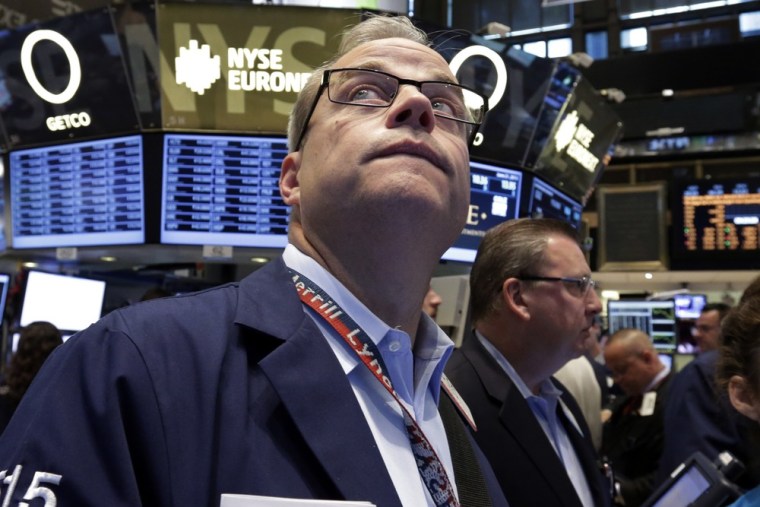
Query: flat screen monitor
(545, 201)
(655, 318)
(574, 142)
(5, 284)
(689, 306)
(3, 240)
(697, 482)
(71, 303)
(716, 224)
(81, 194)
(223, 190)
(494, 198)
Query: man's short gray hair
(376, 27)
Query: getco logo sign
(66, 121)
(501, 75)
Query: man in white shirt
(633, 436)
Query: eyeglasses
(374, 88)
(583, 283)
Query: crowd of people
(323, 375)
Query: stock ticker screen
(716, 222)
(223, 190)
(81, 194)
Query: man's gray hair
(376, 27)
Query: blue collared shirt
(544, 408)
(415, 374)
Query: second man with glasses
(532, 307)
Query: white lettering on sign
(68, 121)
(75, 76)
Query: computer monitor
(545, 201)
(715, 223)
(655, 318)
(81, 194)
(71, 303)
(5, 283)
(689, 306)
(223, 190)
(698, 482)
(494, 198)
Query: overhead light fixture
(259, 260)
(108, 258)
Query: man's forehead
(389, 54)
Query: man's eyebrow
(382, 65)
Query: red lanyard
(431, 470)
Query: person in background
(579, 377)
(632, 437)
(698, 415)
(738, 371)
(431, 303)
(706, 330)
(36, 341)
(155, 293)
(532, 304)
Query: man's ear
(290, 189)
(513, 295)
(743, 398)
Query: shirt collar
(432, 348)
(549, 395)
(657, 379)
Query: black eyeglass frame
(584, 281)
(323, 84)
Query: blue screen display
(494, 198)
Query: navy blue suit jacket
(698, 417)
(525, 463)
(173, 402)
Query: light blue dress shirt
(415, 374)
(544, 407)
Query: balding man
(633, 435)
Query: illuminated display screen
(70, 303)
(655, 318)
(223, 190)
(237, 67)
(494, 198)
(548, 202)
(65, 80)
(82, 194)
(717, 221)
(572, 145)
(689, 306)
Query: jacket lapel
(518, 419)
(314, 390)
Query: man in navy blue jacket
(318, 376)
